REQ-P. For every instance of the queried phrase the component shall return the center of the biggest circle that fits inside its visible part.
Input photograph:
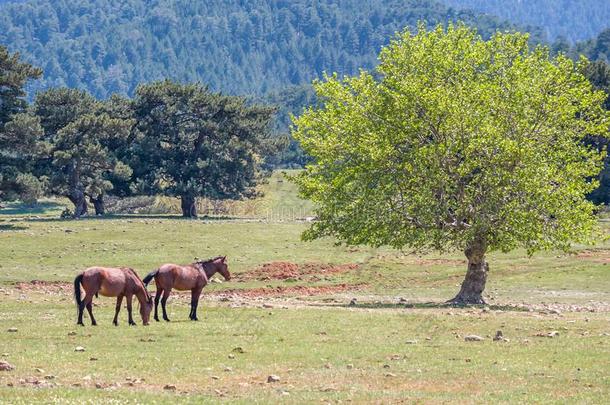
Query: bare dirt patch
(287, 291)
(598, 256)
(438, 262)
(292, 271)
(50, 287)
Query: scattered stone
(5, 366)
(353, 302)
(92, 358)
(238, 350)
(39, 370)
(228, 369)
(386, 366)
(390, 375)
(5, 354)
(412, 342)
(231, 356)
(473, 338)
(169, 387)
(328, 365)
(72, 333)
(12, 330)
(350, 366)
(79, 349)
(218, 392)
(551, 334)
(87, 378)
(215, 377)
(273, 378)
(266, 305)
(498, 336)
(99, 385)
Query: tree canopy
(16, 146)
(455, 143)
(76, 155)
(193, 142)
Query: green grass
(322, 349)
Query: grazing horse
(111, 282)
(192, 277)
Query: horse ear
(224, 258)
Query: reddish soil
(296, 290)
(599, 256)
(289, 270)
(62, 288)
(52, 287)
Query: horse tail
(149, 277)
(77, 282)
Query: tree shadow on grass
(39, 208)
(11, 227)
(128, 217)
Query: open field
(292, 318)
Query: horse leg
(81, 308)
(194, 303)
(163, 302)
(157, 298)
(90, 310)
(129, 298)
(119, 301)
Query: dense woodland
(267, 50)
(238, 47)
(574, 20)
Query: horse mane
(202, 262)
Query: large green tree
(15, 145)
(455, 143)
(598, 73)
(77, 147)
(195, 143)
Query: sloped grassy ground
(382, 349)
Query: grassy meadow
(397, 344)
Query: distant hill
(237, 46)
(575, 20)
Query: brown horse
(111, 282)
(192, 277)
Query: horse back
(108, 281)
(180, 277)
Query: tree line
(174, 139)
(237, 47)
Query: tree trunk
(476, 276)
(98, 204)
(189, 209)
(77, 197)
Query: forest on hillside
(574, 20)
(238, 47)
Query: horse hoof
(93, 324)
(166, 319)
(194, 319)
